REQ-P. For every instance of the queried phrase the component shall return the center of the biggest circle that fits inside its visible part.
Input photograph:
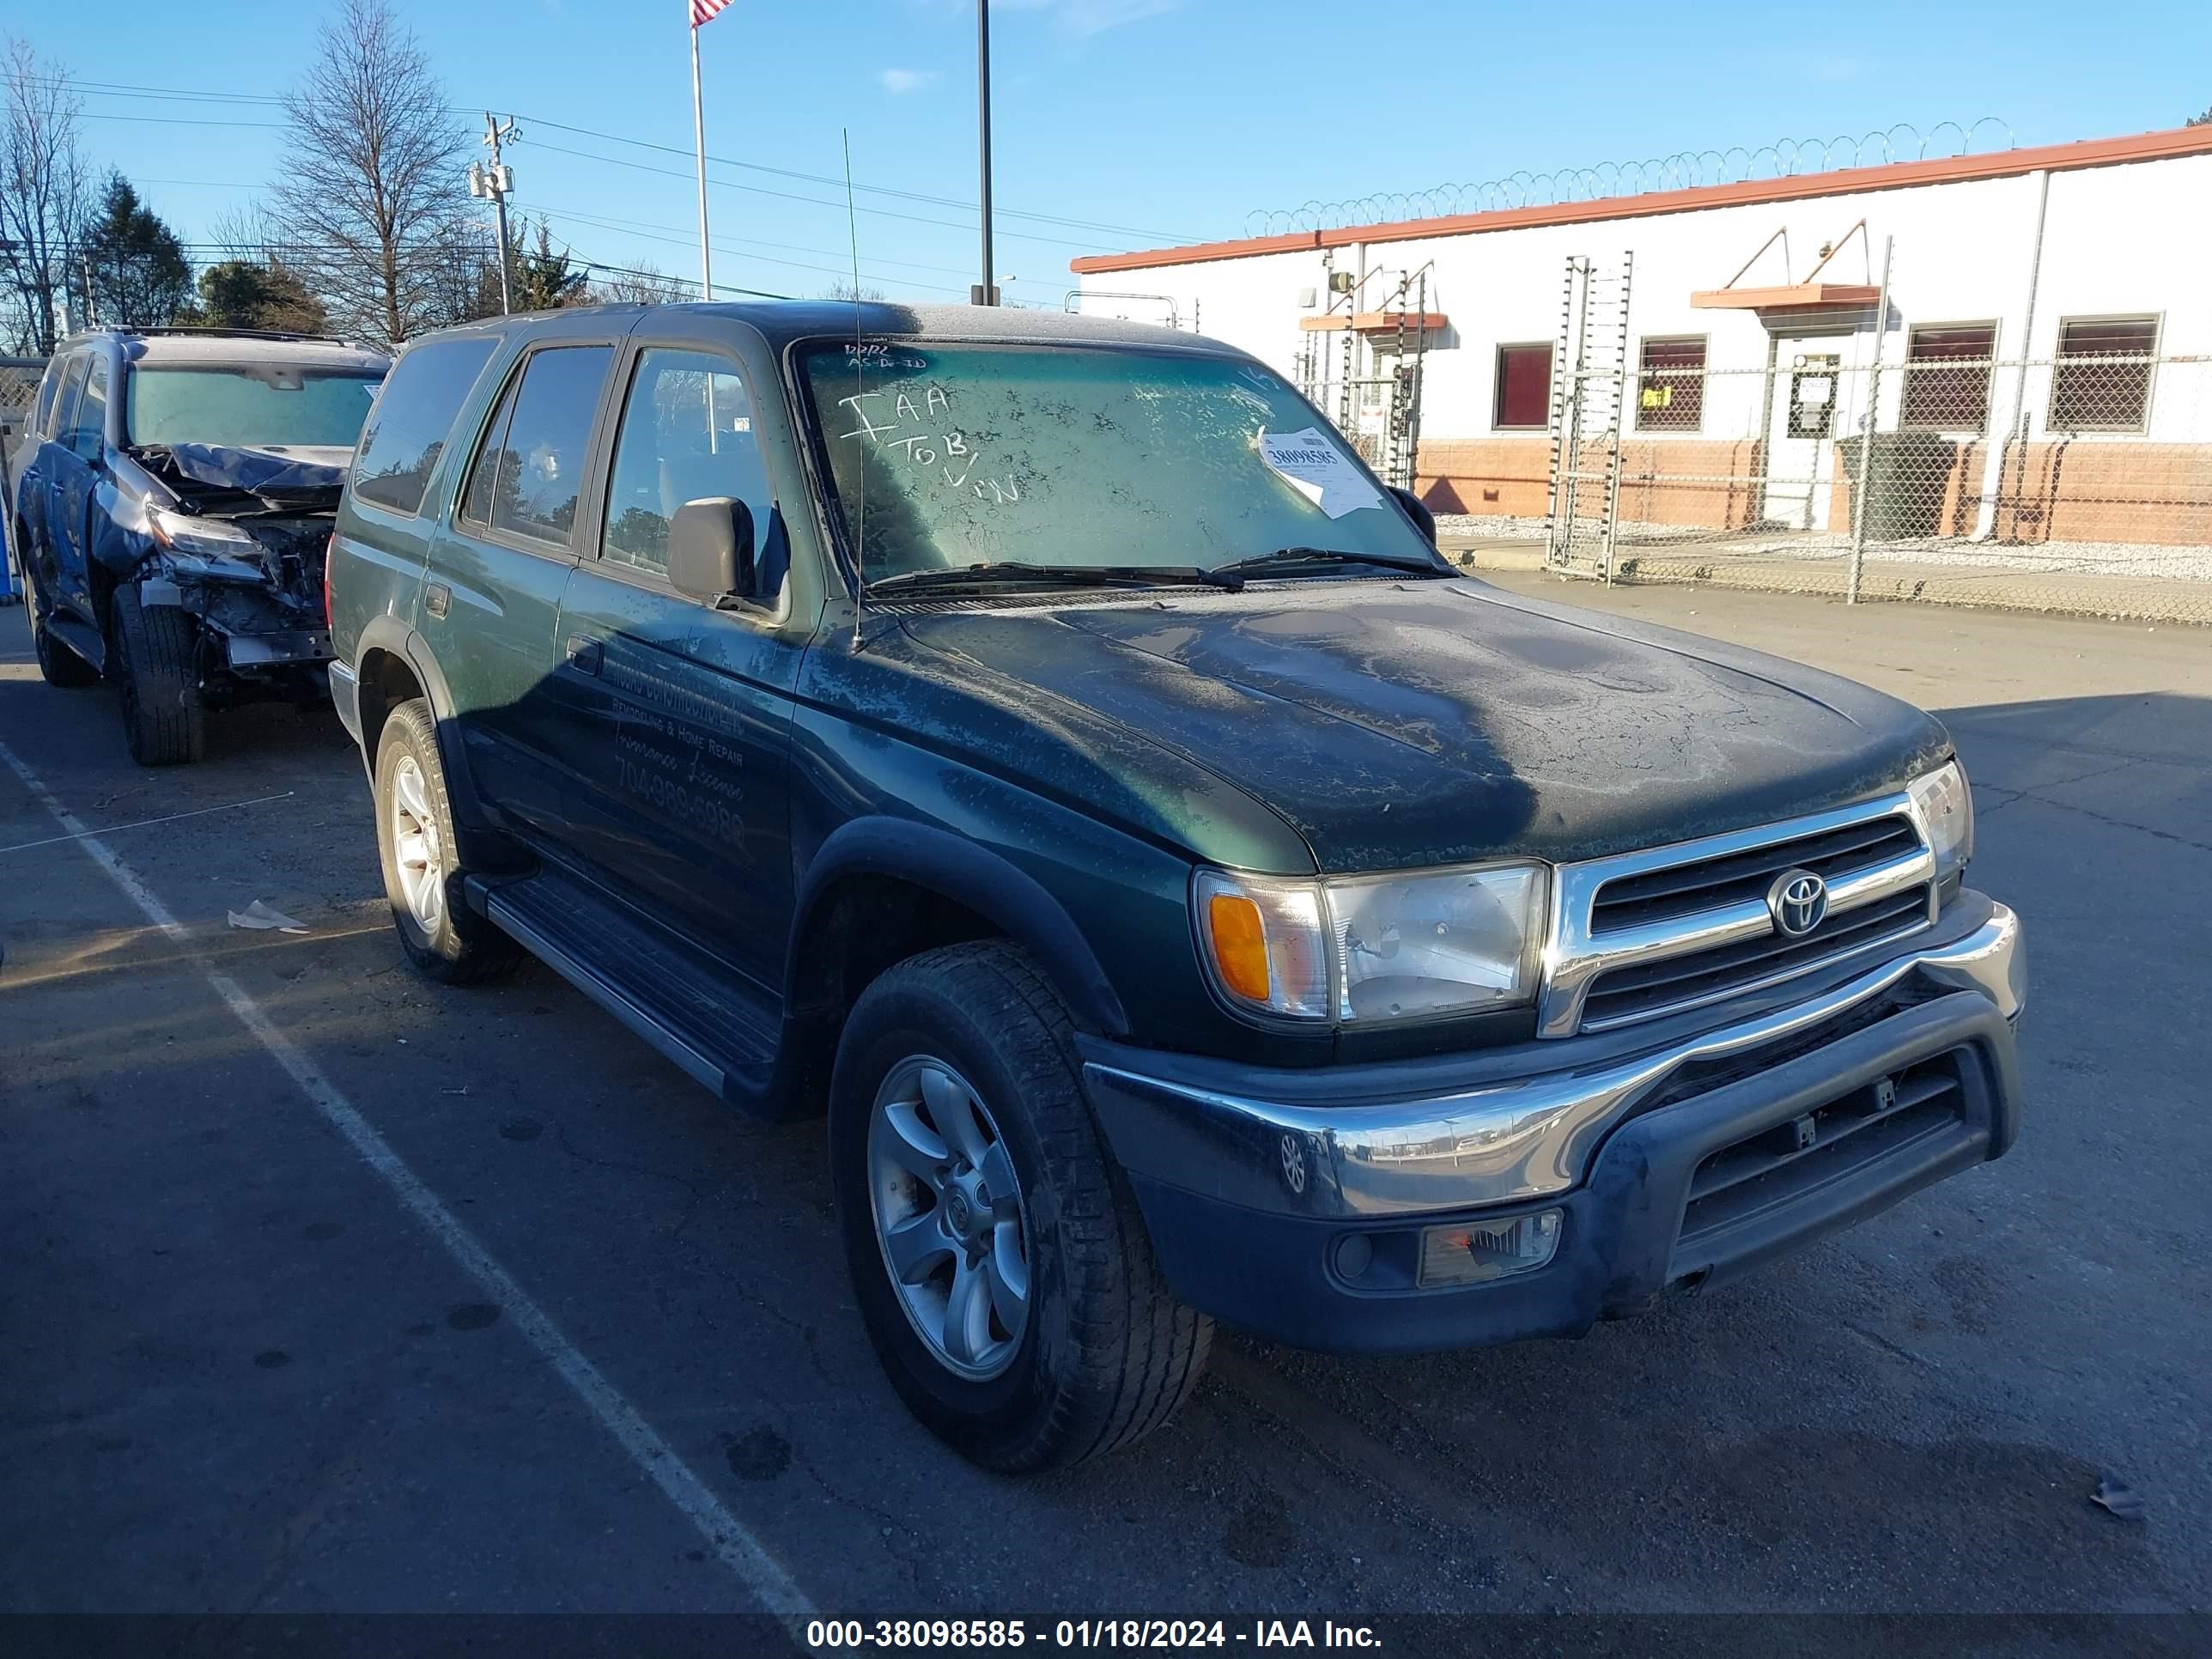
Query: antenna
(860, 391)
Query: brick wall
(1493, 477)
(2059, 489)
(1669, 481)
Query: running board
(85, 641)
(706, 1019)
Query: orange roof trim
(1376, 322)
(1895, 175)
(1798, 296)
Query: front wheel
(154, 651)
(998, 1255)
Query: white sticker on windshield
(1311, 464)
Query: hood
(257, 470)
(1400, 725)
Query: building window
(1670, 390)
(1524, 388)
(2101, 381)
(1947, 376)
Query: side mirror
(1418, 511)
(710, 550)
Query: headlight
(1946, 807)
(1374, 948)
(207, 538)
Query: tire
(445, 939)
(1104, 1354)
(163, 720)
(57, 664)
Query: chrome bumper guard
(1500, 1143)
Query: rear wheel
(445, 939)
(154, 647)
(997, 1254)
(57, 664)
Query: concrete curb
(2057, 593)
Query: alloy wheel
(417, 850)
(949, 1217)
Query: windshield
(276, 404)
(1071, 455)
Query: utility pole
(495, 182)
(987, 291)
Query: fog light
(1467, 1255)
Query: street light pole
(987, 293)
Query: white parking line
(738, 1548)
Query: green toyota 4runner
(1043, 747)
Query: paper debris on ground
(260, 915)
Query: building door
(1803, 424)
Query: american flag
(703, 11)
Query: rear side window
(528, 477)
(407, 428)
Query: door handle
(438, 598)
(584, 655)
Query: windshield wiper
(1016, 572)
(1291, 556)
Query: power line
(736, 244)
(123, 89)
(796, 264)
(788, 196)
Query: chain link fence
(1912, 462)
(19, 386)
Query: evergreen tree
(256, 294)
(543, 279)
(140, 277)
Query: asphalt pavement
(325, 1289)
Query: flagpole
(699, 133)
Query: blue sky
(1146, 121)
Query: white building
(2046, 351)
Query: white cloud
(899, 80)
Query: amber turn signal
(1240, 944)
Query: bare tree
(642, 284)
(44, 192)
(372, 181)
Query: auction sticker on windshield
(1314, 466)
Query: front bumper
(1251, 1181)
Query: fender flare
(959, 869)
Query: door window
(528, 477)
(51, 383)
(687, 435)
(63, 431)
(89, 433)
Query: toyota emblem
(1798, 902)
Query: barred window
(1524, 387)
(1670, 390)
(1947, 376)
(2101, 381)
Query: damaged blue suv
(176, 494)
(1040, 746)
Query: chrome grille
(1684, 890)
(1654, 987)
(1655, 932)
